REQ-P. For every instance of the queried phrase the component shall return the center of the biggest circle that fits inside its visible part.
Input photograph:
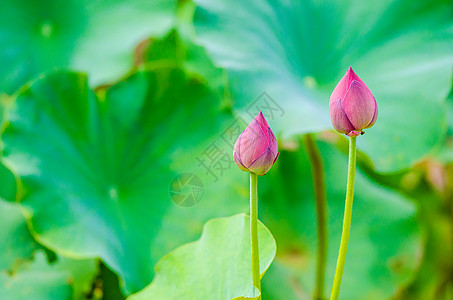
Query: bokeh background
(118, 120)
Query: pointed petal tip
(260, 116)
(340, 90)
(262, 121)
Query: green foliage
(217, 266)
(17, 242)
(22, 277)
(95, 36)
(110, 112)
(96, 169)
(297, 51)
(385, 243)
(9, 184)
(64, 279)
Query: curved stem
(346, 221)
(254, 231)
(319, 188)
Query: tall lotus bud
(352, 105)
(256, 148)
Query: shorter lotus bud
(256, 148)
(352, 105)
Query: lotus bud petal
(256, 148)
(352, 105)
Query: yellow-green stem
(319, 189)
(346, 221)
(254, 231)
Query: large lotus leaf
(385, 242)
(1, 111)
(445, 153)
(65, 279)
(8, 187)
(21, 278)
(297, 51)
(218, 266)
(178, 47)
(17, 244)
(98, 170)
(108, 283)
(94, 36)
(450, 112)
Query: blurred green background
(113, 112)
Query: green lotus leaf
(297, 51)
(1, 111)
(217, 266)
(445, 151)
(127, 174)
(17, 244)
(22, 277)
(38, 280)
(179, 47)
(8, 188)
(94, 36)
(385, 243)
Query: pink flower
(352, 105)
(256, 148)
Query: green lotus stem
(319, 188)
(254, 231)
(346, 221)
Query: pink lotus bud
(352, 105)
(256, 148)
